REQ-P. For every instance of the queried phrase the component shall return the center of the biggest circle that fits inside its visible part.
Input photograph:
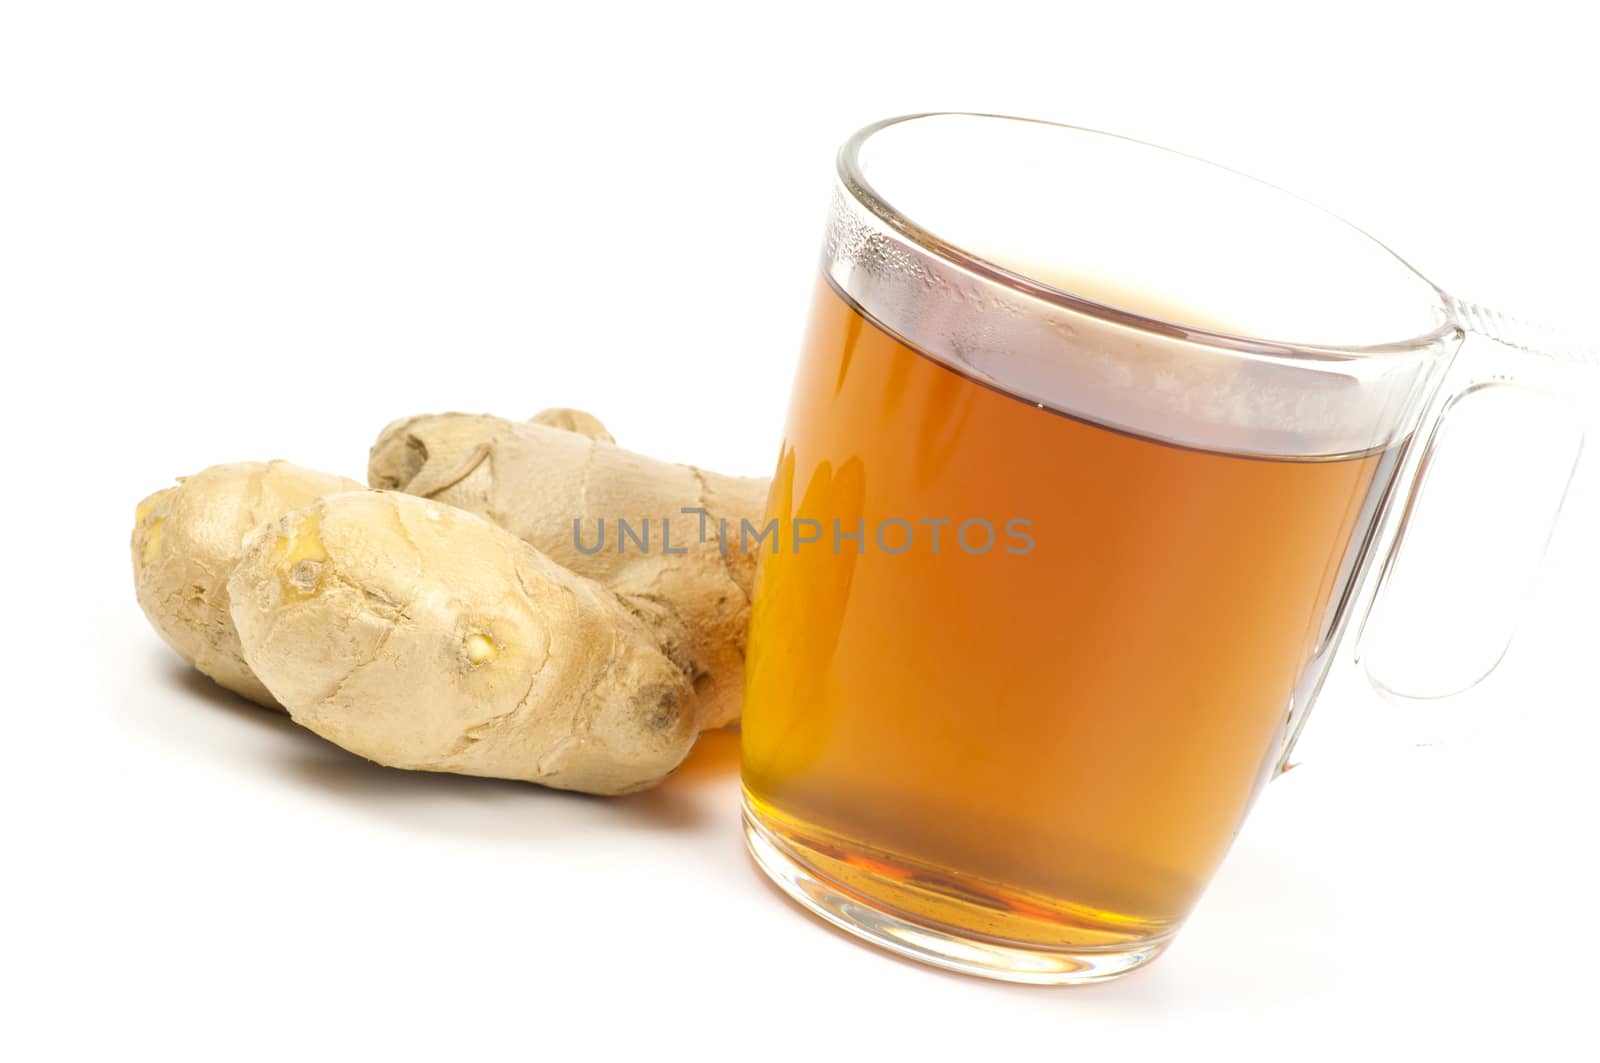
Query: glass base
(850, 911)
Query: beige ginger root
(186, 541)
(537, 478)
(424, 637)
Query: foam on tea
(1204, 344)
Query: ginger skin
(570, 420)
(535, 478)
(186, 541)
(427, 638)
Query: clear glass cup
(1092, 450)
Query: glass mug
(1091, 449)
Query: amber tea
(1052, 739)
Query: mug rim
(855, 183)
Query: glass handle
(1473, 510)
(1473, 530)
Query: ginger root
(558, 483)
(424, 637)
(490, 639)
(186, 541)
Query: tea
(1026, 672)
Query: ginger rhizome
(424, 637)
(462, 625)
(187, 540)
(553, 480)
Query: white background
(233, 232)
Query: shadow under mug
(1093, 450)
